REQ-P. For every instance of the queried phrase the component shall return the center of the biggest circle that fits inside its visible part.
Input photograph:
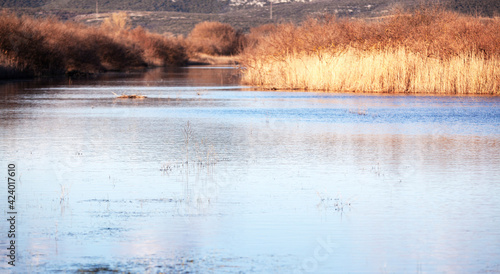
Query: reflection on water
(205, 175)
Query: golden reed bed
(386, 71)
(427, 51)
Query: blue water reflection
(206, 175)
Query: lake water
(208, 176)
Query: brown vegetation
(34, 47)
(214, 38)
(251, 40)
(426, 51)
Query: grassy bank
(426, 51)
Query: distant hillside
(244, 18)
(24, 3)
(180, 16)
(191, 6)
(197, 6)
(483, 7)
(480, 7)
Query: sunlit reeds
(427, 51)
(387, 71)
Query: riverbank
(44, 47)
(426, 51)
(31, 47)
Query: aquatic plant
(337, 203)
(64, 193)
(197, 172)
(205, 155)
(187, 132)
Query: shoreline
(11, 74)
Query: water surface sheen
(206, 175)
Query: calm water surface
(208, 176)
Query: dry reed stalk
(385, 71)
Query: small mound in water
(132, 96)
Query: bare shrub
(214, 38)
(24, 47)
(159, 49)
(251, 40)
(47, 46)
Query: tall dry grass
(427, 51)
(35, 47)
(387, 71)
